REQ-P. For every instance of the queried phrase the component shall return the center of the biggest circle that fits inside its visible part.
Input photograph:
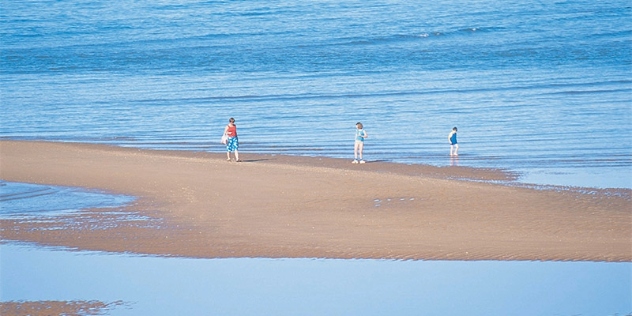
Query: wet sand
(282, 206)
(47, 308)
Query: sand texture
(48, 308)
(197, 204)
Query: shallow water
(255, 286)
(540, 88)
(25, 200)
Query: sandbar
(275, 206)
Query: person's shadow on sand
(254, 160)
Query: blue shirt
(453, 138)
(360, 134)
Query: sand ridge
(283, 206)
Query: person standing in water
(359, 143)
(454, 146)
(232, 144)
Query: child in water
(454, 146)
(359, 143)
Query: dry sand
(281, 206)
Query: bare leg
(236, 155)
(228, 155)
(454, 150)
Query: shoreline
(309, 207)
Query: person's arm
(365, 135)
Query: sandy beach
(199, 205)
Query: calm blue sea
(543, 88)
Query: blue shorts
(232, 144)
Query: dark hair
(231, 120)
(454, 128)
(359, 124)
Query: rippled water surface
(24, 200)
(540, 88)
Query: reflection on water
(257, 286)
(454, 161)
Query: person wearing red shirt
(232, 144)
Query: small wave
(596, 91)
(34, 199)
(26, 194)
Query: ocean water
(543, 88)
